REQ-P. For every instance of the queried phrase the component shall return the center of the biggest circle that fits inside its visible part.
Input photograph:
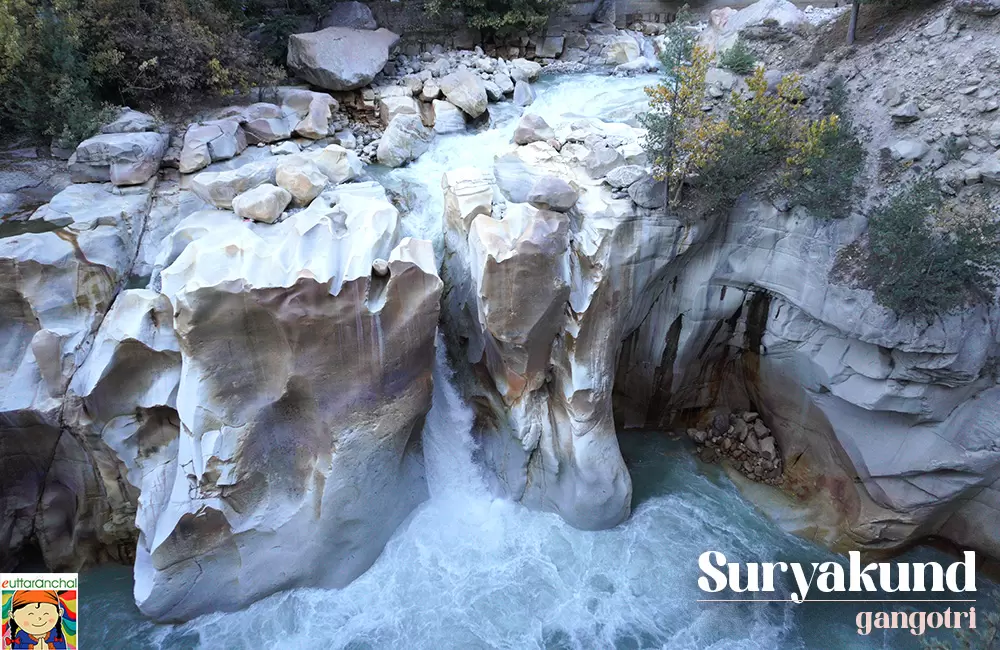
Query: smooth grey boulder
(447, 117)
(532, 128)
(220, 188)
(266, 123)
(622, 177)
(264, 203)
(524, 95)
(340, 58)
(907, 150)
(648, 193)
(130, 121)
(553, 193)
(905, 114)
(211, 142)
(122, 158)
(351, 14)
(465, 90)
(404, 140)
(523, 69)
(601, 159)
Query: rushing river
(467, 571)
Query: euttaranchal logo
(38, 611)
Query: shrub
(61, 59)
(762, 129)
(500, 17)
(763, 132)
(739, 58)
(171, 48)
(45, 79)
(822, 177)
(917, 268)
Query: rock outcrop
(59, 275)
(307, 391)
(539, 315)
(121, 158)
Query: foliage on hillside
(924, 258)
(501, 17)
(764, 132)
(61, 59)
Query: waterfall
(447, 435)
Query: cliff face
(891, 420)
(254, 419)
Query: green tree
(921, 262)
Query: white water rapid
(467, 571)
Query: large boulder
(725, 24)
(130, 121)
(390, 107)
(340, 58)
(532, 128)
(465, 89)
(220, 188)
(353, 14)
(267, 123)
(308, 111)
(620, 50)
(303, 385)
(447, 117)
(301, 178)
(211, 142)
(539, 315)
(122, 158)
(405, 139)
(264, 203)
(524, 70)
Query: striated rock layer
(888, 426)
(538, 304)
(304, 379)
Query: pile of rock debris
(744, 439)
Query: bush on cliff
(500, 17)
(61, 59)
(927, 259)
(765, 133)
(739, 58)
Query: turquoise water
(466, 571)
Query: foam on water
(559, 99)
(469, 571)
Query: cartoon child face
(36, 618)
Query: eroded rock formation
(538, 303)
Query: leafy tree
(917, 268)
(60, 60)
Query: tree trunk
(853, 27)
